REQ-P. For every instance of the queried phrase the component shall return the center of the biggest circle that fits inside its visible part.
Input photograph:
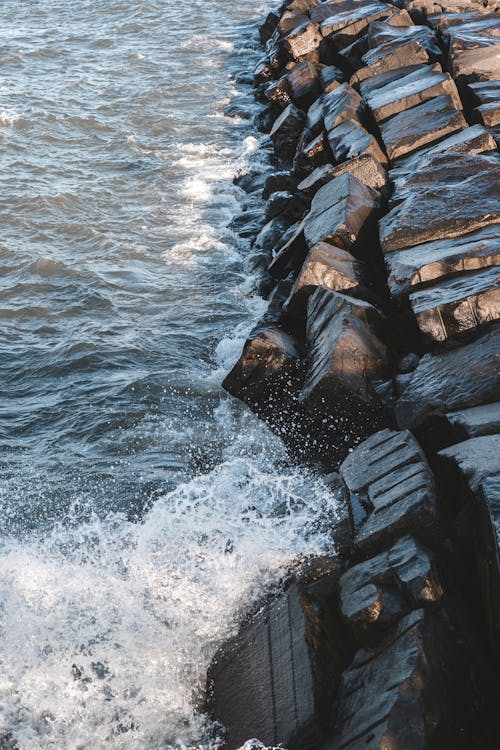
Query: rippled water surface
(140, 509)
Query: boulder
(274, 679)
(488, 114)
(344, 27)
(421, 125)
(391, 490)
(346, 356)
(311, 154)
(330, 77)
(449, 198)
(326, 266)
(277, 182)
(339, 105)
(286, 131)
(411, 267)
(473, 422)
(374, 594)
(383, 59)
(290, 252)
(338, 212)
(351, 139)
(266, 29)
(302, 40)
(303, 84)
(438, 385)
(365, 168)
(397, 694)
(458, 305)
(485, 92)
(410, 90)
(385, 34)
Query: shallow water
(141, 510)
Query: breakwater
(377, 361)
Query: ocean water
(142, 511)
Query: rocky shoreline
(377, 360)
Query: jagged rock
(410, 90)
(311, 155)
(266, 29)
(270, 234)
(351, 139)
(347, 25)
(338, 212)
(330, 77)
(278, 92)
(474, 140)
(290, 253)
(472, 473)
(345, 357)
(424, 124)
(411, 267)
(339, 105)
(396, 693)
(326, 266)
(488, 114)
(274, 680)
(353, 53)
(390, 37)
(376, 593)
(438, 384)
(457, 305)
(365, 168)
(277, 182)
(303, 84)
(472, 423)
(286, 131)
(370, 86)
(265, 375)
(473, 49)
(382, 60)
(448, 198)
(302, 40)
(485, 92)
(285, 204)
(391, 490)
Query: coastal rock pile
(381, 247)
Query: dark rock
(277, 182)
(488, 114)
(386, 34)
(412, 267)
(485, 92)
(376, 593)
(330, 77)
(248, 223)
(326, 266)
(370, 86)
(311, 155)
(391, 490)
(424, 124)
(396, 694)
(270, 234)
(382, 60)
(346, 26)
(353, 53)
(266, 30)
(339, 105)
(284, 204)
(290, 21)
(474, 422)
(303, 84)
(408, 363)
(278, 92)
(290, 253)
(410, 90)
(274, 680)
(338, 389)
(265, 374)
(438, 384)
(460, 304)
(365, 168)
(302, 40)
(286, 131)
(351, 139)
(338, 212)
(448, 198)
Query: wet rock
(274, 679)
(338, 212)
(410, 90)
(330, 77)
(290, 253)
(304, 84)
(370, 86)
(278, 92)
(302, 40)
(345, 357)
(346, 26)
(351, 139)
(383, 59)
(395, 694)
(485, 92)
(352, 54)
(391, 490)
(488, 114)
(277, 182)
(265, 374)
(284, 204)
(266, 29)
(390, 37)
(365, 168)
(412, 267)
(311, 155)
(339, 105)
(438, 384)
(474, 422)
(457, 305)
(270, 234)
(286, 131)
(426, 123)
(326, 266)
(376, 593)
(448, 198)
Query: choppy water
(140, 509)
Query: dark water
(140, 509)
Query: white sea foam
(108, 628)
(8, 117)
